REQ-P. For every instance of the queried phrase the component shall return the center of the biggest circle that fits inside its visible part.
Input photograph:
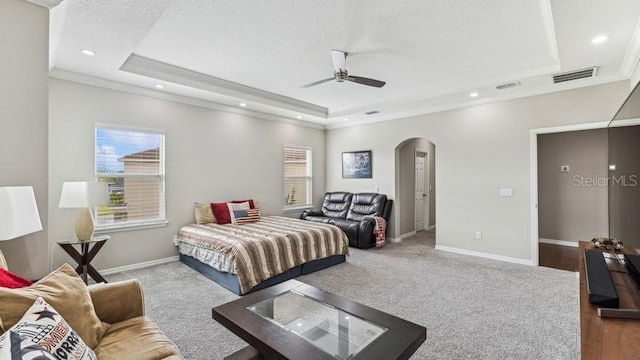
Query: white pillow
(43, 326)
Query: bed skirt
(230, 281)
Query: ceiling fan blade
(339, 60)
(366, 81)
(316, 83)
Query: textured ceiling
(432, 54)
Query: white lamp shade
(81, 194)
(18, 212)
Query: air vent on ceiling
(508, 85)
(575, 75)
(372, 112)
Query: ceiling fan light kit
(340, 73)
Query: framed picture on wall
(356, 165)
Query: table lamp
(83, 195)
(18, 212)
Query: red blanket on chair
(380, 231)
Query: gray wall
(480, 149)
(24, 34)
(624, 191)
(573, 206)
(210, 156)
(405, 203)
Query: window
(297, 177)
(131, 162)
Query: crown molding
(489, 100)
(158, 70)
(49, 4)
(630, 60)
(137, 90)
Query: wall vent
(508, 85)
(575, 75)
(372, 112)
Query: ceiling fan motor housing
(341, 75)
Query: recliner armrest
(310, 213)
(117, 301)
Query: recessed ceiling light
(88, 52)
(346, 119)
(243, 104)
(473, 94)
(160, 86)
(299, 117)
(599, 39)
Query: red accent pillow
(221, 213)
(250, 201)
(12, 281)
(221, 210)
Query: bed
(249, 257)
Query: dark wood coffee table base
(270, 341)
(246, 353)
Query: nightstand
(88, 250)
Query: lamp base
(84, 224)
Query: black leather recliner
(352, 213)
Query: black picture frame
(357, 165)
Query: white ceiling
(432, 54)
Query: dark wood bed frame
(230, 281)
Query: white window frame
(161, 221)
(308, 177)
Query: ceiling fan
(341, 74)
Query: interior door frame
(533, 152)
(427, 185)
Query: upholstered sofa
(109, 318)
(353, 213)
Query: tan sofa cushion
(139, 338)
(66, 292)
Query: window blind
(131, 162)
(297, 176)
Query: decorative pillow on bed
(12, 281)
(43, 325)
(204, 214)
(252, 204)
(240, 214)
(221, 210)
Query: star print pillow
(43, 328)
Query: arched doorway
(415, 189)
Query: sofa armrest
(117, 301)
(310, 213)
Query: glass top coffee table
(293, 320)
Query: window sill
(103, 229)
(297, 208)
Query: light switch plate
(506, 192)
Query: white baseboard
(484, 255)
(139, 265)
(431, 227)
(399, 239)
(558, 242)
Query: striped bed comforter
(265, 248)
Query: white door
(422, 203)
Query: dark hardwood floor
(558, 257)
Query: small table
(86, 254)
(293, 320)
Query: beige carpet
(473, 308)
